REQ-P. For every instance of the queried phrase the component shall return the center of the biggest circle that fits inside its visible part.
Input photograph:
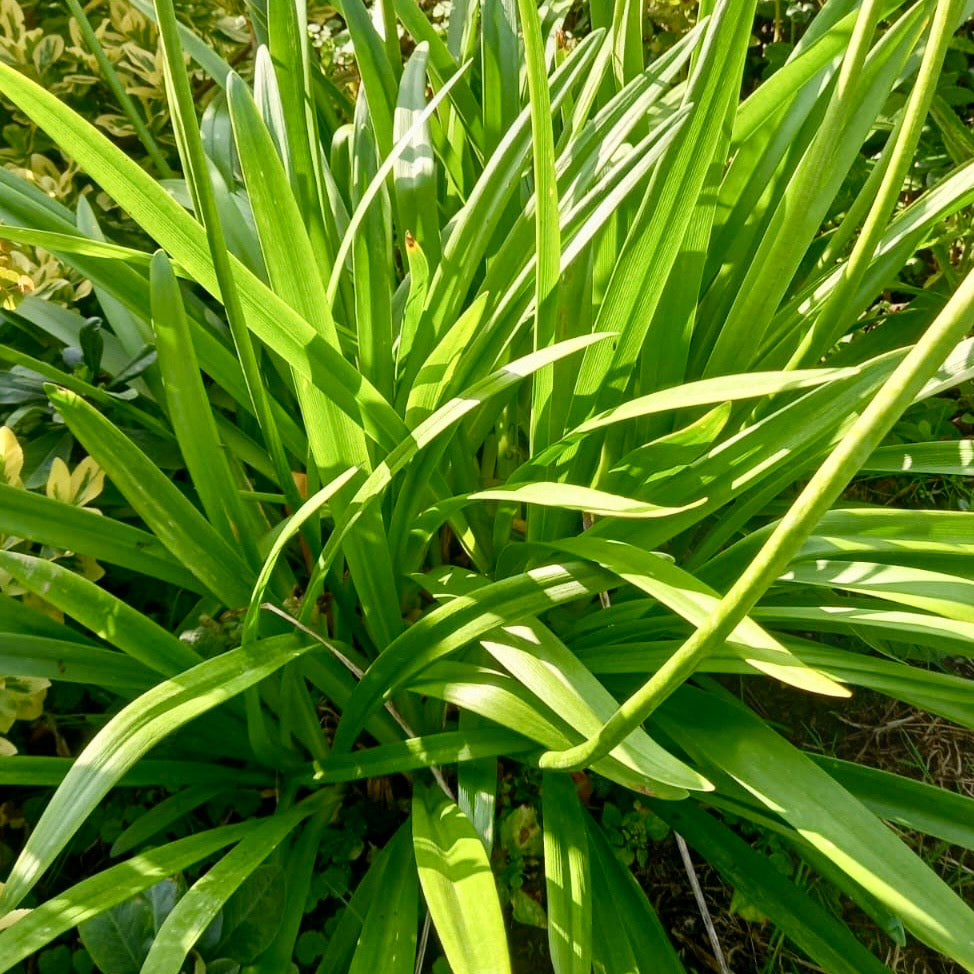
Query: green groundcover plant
(509, 415)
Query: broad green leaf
(291, 263)
(368, 238)
(942, 635)
(412, 314)
(537, 659)
(445, 418)
(450, 627)
(377, 182)
(477, 222)
(500, 61)
(939, 693)
(542, 428)
(951, 457)
(574, 498)
(375, 68)
(442, 67)
(655, 236)
(498, 697)
(271, 319)
(291, 56)
(566, 497)
(545, 666)
(458, 885)
(567, 876)
(414, 173)
(210, 204)
(936, 592)
(705, 392)
(930, 539)
(813, 183)
(436, 377)
(477, 782)
(119, 939)
(129, 736)
(66, 243)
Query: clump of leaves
(508, 421)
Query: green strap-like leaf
(450, 747)
(626, 932)
(415, 177)
(538, 659)
(72, 662)
(458, 885)
(567, 876)
(172, 518)
(192, 415)
(159, 817)
(428, 431)
(204, 900)
(952, 457)
(271, 318)
(936, 592)
(104, 614)
(38, 518)
(695, 602)
(46, 772)
(388, 938)
(905, 802)
(451, 626)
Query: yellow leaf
(59, 481)
(7, 750)
(27, 693)
(8, 712)
(87, 482)
(11, 457)
(90, 568)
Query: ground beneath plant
(871, 730)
